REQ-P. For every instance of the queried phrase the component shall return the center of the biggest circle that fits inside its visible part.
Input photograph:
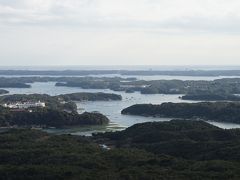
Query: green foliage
(217, 111)
(60, 110)
(51, 102)
(192, 140)
(31, 154)
(49, 118)
(84, 96)
(60, 102)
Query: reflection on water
(112, 109)
(86, 130)
(225, 125)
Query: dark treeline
(5, 84)
(217, 111)
(211, 97)
(219, 87)
(2, 91)
(175, 150)
(49, 118)
(192, 140)
(84, 96)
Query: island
(83, 82)
(45, 118)
(227, 89)
(178, 149)
(51, 102)
(42, 110)
(84, 96)
(211, 97)
(226, 86)
(210, 111)
(2, 91)
(14, 85)
(62, 102)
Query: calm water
(147, 78)
(112, 109)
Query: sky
(124, 32)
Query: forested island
(48, 118)
(216, 111)
(84, 96)
(14, 85)
(52, 102)
(63, 101)
(2, 91)
(83, 82)
(211, 97)
(221, 89)
(220, 86)
(57, 111)
(174, 150)
(225, 87)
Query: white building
(25, 105)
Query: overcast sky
(124, 32)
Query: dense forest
(217, 111)
(192, 140)
(175, 150)
(43, 117)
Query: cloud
(179, 15)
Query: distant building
(24, 105)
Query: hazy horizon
(124, 67)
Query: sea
(112, 109)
